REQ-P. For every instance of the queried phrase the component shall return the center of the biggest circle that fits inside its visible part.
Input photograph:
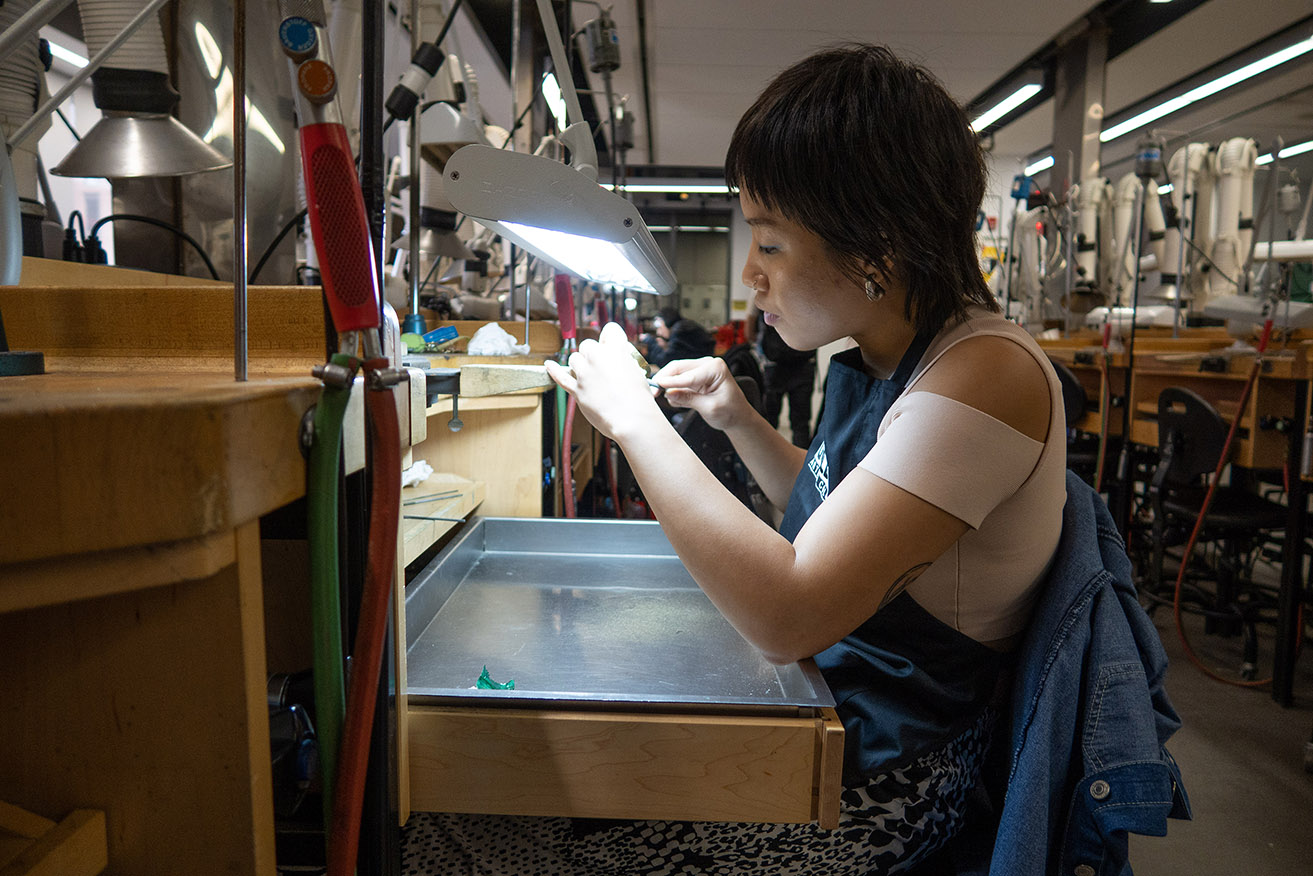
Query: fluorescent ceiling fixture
(1288, 152)
(1169, 188)
(1042, 164)
(68, 56)
(673, 188)
(555, 100)
(558, 214)
(720, 228)
(1005, 106)
(1208, 89)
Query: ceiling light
(1288, 152)
(1005, 106)
(555, 101)
(68, 56)
(1041, 164)
(1208, 89)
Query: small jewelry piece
(874, 291)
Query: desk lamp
(558, 211)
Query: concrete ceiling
(708, 59)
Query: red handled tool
(342, 239)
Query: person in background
(788, 373)
(678, 338)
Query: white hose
(1125, 225)
(1184, 170)
(1235, 171)
(1154, 223)
(102, 20)
(20, 95)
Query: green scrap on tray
(485, 682)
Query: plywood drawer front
(615, 765)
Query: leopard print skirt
(885, 826)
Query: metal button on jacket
(1084, 870)
(1099, 789)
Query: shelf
(459, 498)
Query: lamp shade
(127, 145)
(560, 215)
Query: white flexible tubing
(1233, 157)
(1124, 226)
(1154, 224)
(102, 20)
(1183, 170)
(1088, 195)
(1026, 241)
(20, 94)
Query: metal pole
(239, 191)
(412, 221)
(1184, 226)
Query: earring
(874, 291)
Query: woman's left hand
(611, 388)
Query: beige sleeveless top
(1007, 487)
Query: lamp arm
(578, 137)
(79, 77)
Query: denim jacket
(1086, 762)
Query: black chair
(1191, 436)
(1082, 447)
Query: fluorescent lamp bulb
(682, 228)
(673, 188)
(1169, 188)
(597, 261)
(1005, 106)
(1235, 77)
(1042, 164)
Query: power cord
(96, 254)
(269, 250)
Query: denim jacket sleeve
(1089, 716)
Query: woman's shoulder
(993, 365)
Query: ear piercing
(874, 291)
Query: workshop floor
(1242, 759)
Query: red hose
(1198, 526)
(375, 602)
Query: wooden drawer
(594, 764)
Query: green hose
(325, 593)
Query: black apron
(904, 682)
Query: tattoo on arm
(904, 581)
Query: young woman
(921, 520)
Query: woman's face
(799, 287)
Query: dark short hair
(669, 315)
(872, 154)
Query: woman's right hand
(706, 386)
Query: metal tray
(582, 611)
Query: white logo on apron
(820, 469)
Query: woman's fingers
(564, 377)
